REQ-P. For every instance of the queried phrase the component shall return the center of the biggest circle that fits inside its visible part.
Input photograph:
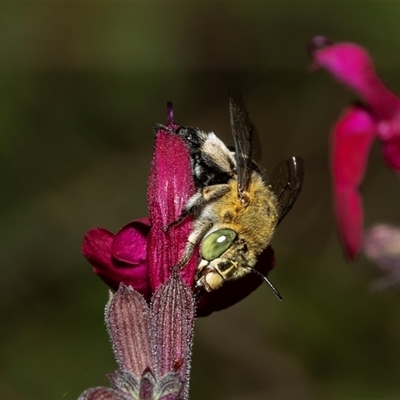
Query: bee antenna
(266, 280)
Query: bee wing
(243, 132)
(286, 182)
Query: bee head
(223, 255)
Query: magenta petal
(348, 62)
(130, 243)
(234, 291)
(351, 65)
(135, 276)
(352, 137)
(96, 247)
(170, 187)
(391, 152)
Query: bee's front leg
(193, 239)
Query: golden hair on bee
(236, 210)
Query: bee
(236, 210)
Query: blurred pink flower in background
(378, 117)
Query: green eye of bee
(217, 243)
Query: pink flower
(121, 257)
(352, 135)
(142, 254)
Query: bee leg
(215, 191)
(176, 222)
(197, 201)
(190, 208)
(193, 239)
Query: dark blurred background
(81, 87)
